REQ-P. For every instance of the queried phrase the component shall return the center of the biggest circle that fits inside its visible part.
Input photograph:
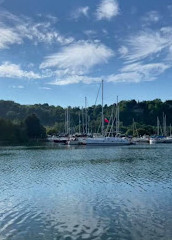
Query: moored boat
(107, 141)
(157, 139)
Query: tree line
(21, 132)
(52, 118)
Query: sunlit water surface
(51, 193)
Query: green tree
(34, 128)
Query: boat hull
(107, 141)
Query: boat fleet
(108, 136)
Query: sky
(57, 52)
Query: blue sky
(57, 52)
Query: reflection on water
(50, 192)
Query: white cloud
(45, 88)
(107, 9)
(148, 44)
(80, 56)
(155, 68)
(74, 62)
(74, 79)
(124, 77)
(151, 17)
(52, 18)
(9, 70)
(14, 30)
(139, 72)
(170, 9)
(90, 33)
(123, 51)
(8, 37)
(82, 11)
(134, 73)
(41, 32)
(18, 87)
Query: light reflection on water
(50, 192)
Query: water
(51, 193)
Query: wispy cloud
(170, 9)
(8, 37)
(73, 63)
(80, 56)
(74, 79)
(139, 72)
(52, 18)
(17, 87)
(107, 9)
(132, 73)
(148, 43)
(82, 11)
(9, 70)
(123, 51)
(151, 17)
(45, 88)
(146, 55)
(90, 33)
(14, 30)
(141, 54)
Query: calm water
(50, 193)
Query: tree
(12, 132)
(33, 127)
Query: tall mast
(158, 126)
(65, 122)
(83, 131)
(79, 122)
(102, 112)
(118, 113)
(164, 125)
(133, 128)
(86, 119)
(88, 124)
(117, 117)
(67, 127)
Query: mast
(102, 111)
(86, 119)
(79, 122)
(133, 128)
(88, 125)
(67, 121)
(117, 117)
(164, 125)
(158, 126)
(118, 114)
(83, 131)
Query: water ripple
(86, 193)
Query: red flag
(106, 120)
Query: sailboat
(104, 140)
(163, 138)
(137, 139)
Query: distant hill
(143, 113)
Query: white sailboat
(163, 138)
(107, 141)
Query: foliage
(144, 113)
(33, 127)
(13, 132)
